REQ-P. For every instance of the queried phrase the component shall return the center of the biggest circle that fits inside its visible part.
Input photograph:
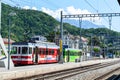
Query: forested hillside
(27, 23)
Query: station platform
(30, 70)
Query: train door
(48, 55)
(55, 53)
(42, 55)
(30, 55)
(68, 56)
(52, 55)
(35, 55)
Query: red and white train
(34, 53)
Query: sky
(53, 8)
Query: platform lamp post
(9, 24)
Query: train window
(24, 50)
(52, 51)
(30, 50)
(14, 50)
(19, 50)
(42, 51)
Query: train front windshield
(14, 50)
(21, 50)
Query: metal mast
(3, 62)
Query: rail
(63, 74)
(106, 75)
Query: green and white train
(70, 54)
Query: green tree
(96, 50)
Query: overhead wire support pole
(110, 20)
(80, 25)
(61, 39)
(9, 23)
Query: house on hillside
(5, 40)
(74, 41)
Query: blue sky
(53, 8)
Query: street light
(9, 23)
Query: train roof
(72, 49)
(25, 44)
(20, 43)
(36, 44)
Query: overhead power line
(108, 5)
(96, 9)
(91, 6)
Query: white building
(74, 41)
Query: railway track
(112, 75)
(60, 75)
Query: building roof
(5, 40)
(84, 39)
(77, 37)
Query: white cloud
(70, 10)
(55, 14)
(26, 7)
(34, 8)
